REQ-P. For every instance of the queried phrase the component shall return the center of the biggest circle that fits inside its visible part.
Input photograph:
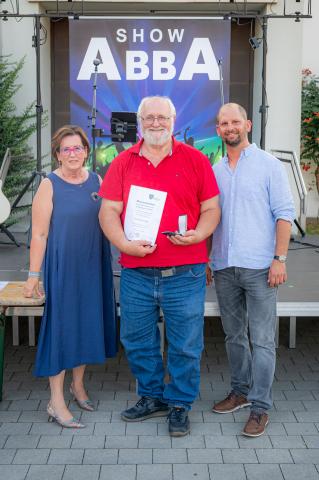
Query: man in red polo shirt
(167, 272)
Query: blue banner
(182, 58)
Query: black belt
(163, 271)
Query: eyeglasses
(150, 119)
(77, 150)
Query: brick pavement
(109, 449)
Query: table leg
(2, 335)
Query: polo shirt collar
(138, 146)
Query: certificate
(143, 213)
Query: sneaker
(178, 425)
(255, 425)
(146, 407)
(231, 403)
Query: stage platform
(297, 299)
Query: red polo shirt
(187, 177)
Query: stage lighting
(254, 42)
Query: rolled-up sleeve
(281, 200)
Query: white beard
(154, 138)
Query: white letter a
(108, 65)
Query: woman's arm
(41, 216)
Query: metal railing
(290, 157)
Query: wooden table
(13, 302)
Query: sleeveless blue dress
(79, 324)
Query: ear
(249, 125)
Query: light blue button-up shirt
(253, 197)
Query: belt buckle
(167, 273)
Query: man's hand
(138, 248)
(189, 238)
(209, 275)
(277, 273)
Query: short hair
(66, 131)
(160, 97)
(241, 110)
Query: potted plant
(310, 121)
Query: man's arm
(207, 223)
(110, 221)
(277, 271)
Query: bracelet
(34, 274)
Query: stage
(297, 299)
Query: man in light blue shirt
(250, 246)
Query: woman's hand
(209, 275)
(31, 288)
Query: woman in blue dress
(79, 322)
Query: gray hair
(146, 99)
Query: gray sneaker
(145, 408)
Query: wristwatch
(280, 258)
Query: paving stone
(118, 472)
(109, 428)
(137, 456)
(312, 441)
(45, 428)
(221, 441)
(299, 395)
(287, 405)
(96, 456)
(141, 428)
(92, 417)
(81, 472)
(189, 472)
(88, 441)
(154, 442)
(305, 417)
(169, 455)
(9, 416)
(275, 429)
(6, 456)
(227, 472)
(299, 472)
(239, 456)
(45, 472)
(287, 441)
(205, 429)
(204, 455)
(305, 456)
(189, 441)
(111, 405)
(3, 439)
(22, 441)
(121, 441)
(276, 455)
(160, 472)
(211, 417)
(15, 394)
(263, 472)
(33, 416)
(87, 431)
(258, 442)
(300, 428)
(26, 456)
(18, 405)
(66, 456)
(54, 441)
(15, 428)
(14, 472)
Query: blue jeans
(247, 303)
(181, 297)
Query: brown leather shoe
(256, 424)
(231, 403)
